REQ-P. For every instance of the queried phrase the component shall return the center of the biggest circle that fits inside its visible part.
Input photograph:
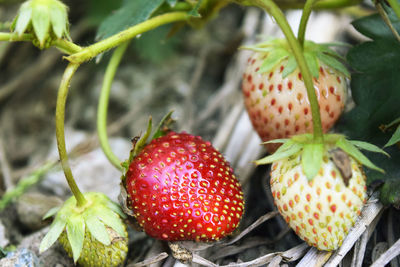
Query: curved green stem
(395, 6)
(60, 117)
(89, 52)
(319, 5)
(304, 19)
(14, 37)
(66, 46)
(103, 104)
(276, 13)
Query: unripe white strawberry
(319, 186)
(321, 211)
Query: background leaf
(130, 13)
(375, 86)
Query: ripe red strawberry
(181, 188)
(275, 95)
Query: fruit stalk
(60, 136)
(304, 19)
(270, 7)
(12, 37)
(66, 46)
(89, 52)
(103, 104)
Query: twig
(394, 262)
(386, 257)
(371, 210)
(361, 244)
(149, 261)
(259, 221)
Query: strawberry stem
(60, 133)
(304, 19)
(89, 52)
(103, 104)
(270, 7)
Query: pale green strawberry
(319, 186)
(321, 210)
(93, 234)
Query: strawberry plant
(313, 107)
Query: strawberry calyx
(138, 143)
(312, 152)
(47, 20)
(278, 50)
(98, 214)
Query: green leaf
(312, 63)
(56, 228)
(291, 66)
(369, 147)
(333, 63)
(375, 86)
(51, 212)
(350, 149)
(41, 22)
(311, 159)
(395, 138)
(374, 27)
(293, 149)
(97, 229)
(112, 220)
(131, 13)
(24, 17)
(156, 46)
(390, 193)
(276, 56)
(76, 235)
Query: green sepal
(273, 59)
(311, 159)
(333, 63)
(41, 22)
(291, 66)
(51, 212)
(76, 235)
(287, 151)
(163, 127)
(276, 141)
(59, 18)
(369, 147)
(99, 209)
(23, 19)
(110, 219)
(350, 149)
(97, 229)
(116, 208)
(195, 11)
(312, 63)
(142, 141)
(395, 137)
(56, 228)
